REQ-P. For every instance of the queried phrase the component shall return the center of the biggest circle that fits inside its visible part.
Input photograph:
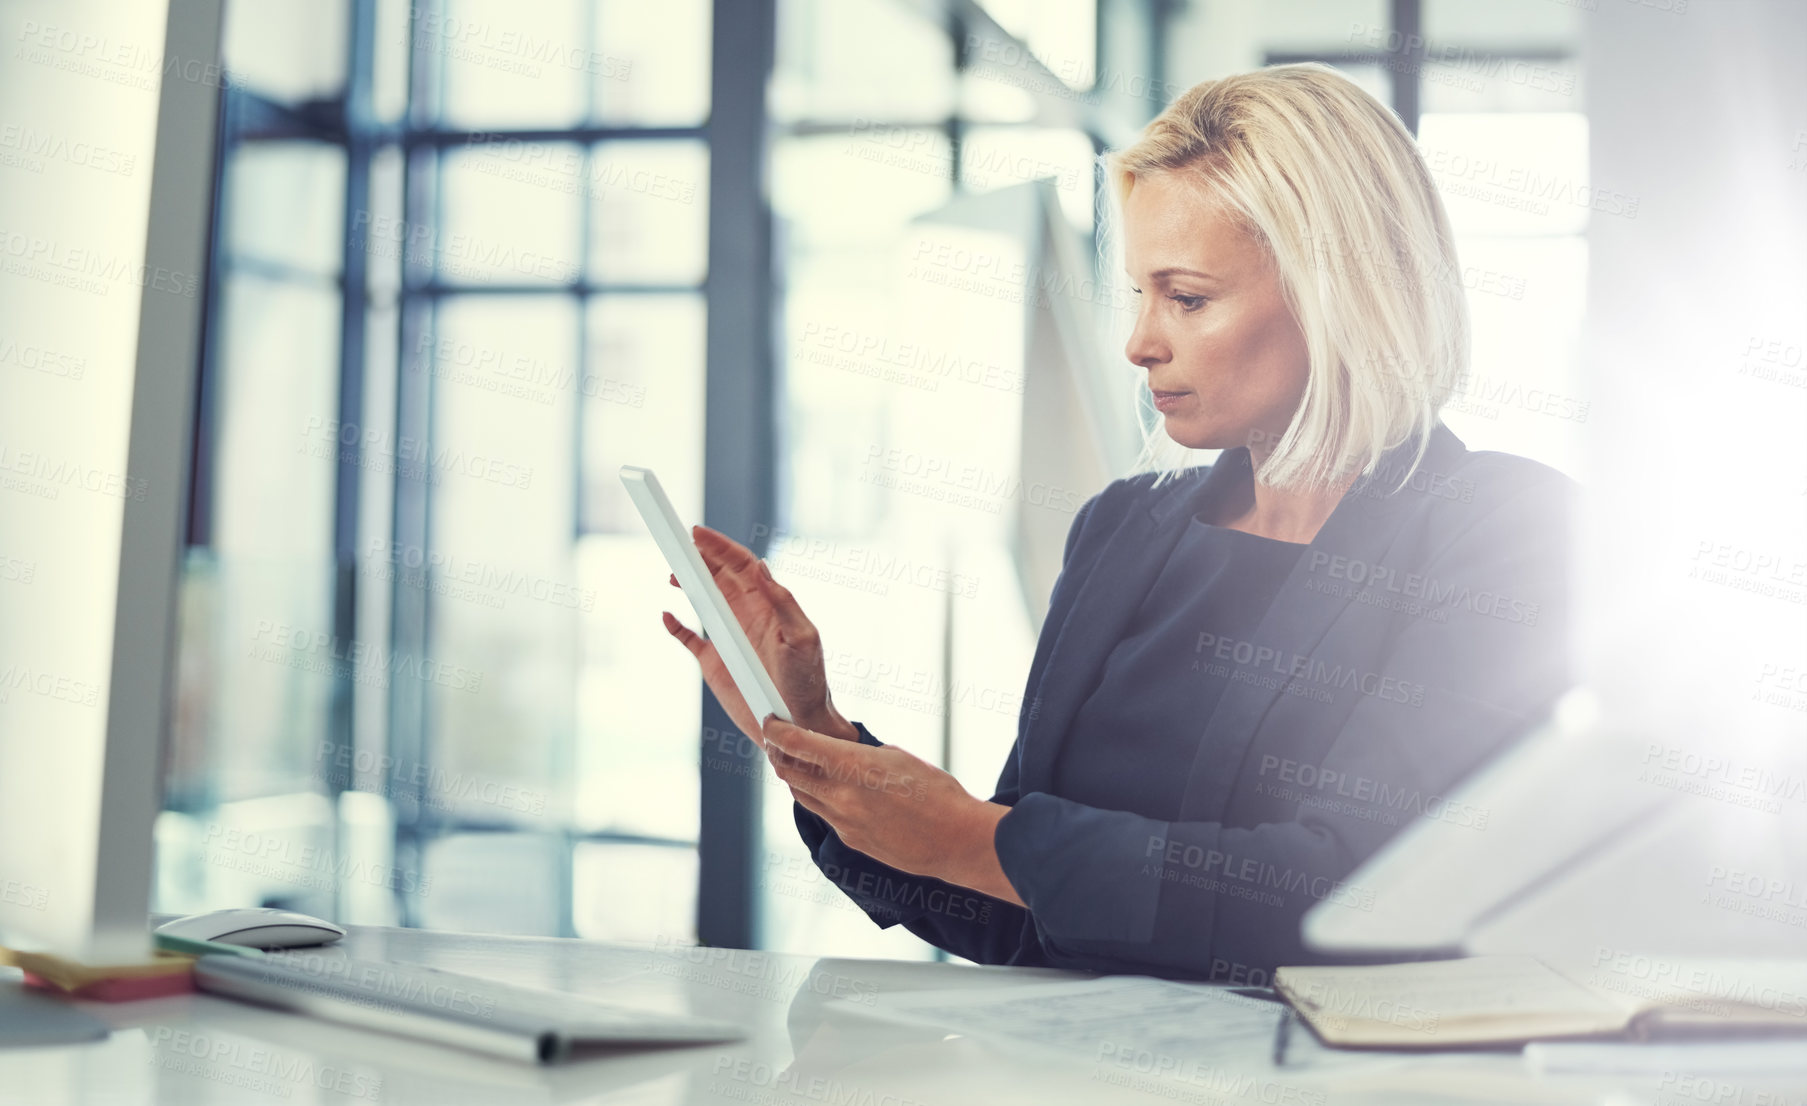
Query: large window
(457, 283)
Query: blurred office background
(470, 258)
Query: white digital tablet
(687, 564)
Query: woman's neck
(1280, 514)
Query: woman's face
(1212, 327)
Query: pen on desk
(1281, 1030)
(191, 946)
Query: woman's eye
(1190, 303)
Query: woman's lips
(1167, 401)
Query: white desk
(196, 1050)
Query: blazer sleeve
(1202, 899)
(979, 927)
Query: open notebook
(1503, 1000)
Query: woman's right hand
(783, 636)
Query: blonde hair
(1333, 186)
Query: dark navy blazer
(1425, 626)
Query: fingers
(682, 632)
(721, 552)
(807, 746)
(813, 804)
(791, 618)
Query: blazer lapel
(1363, 527)
(1108, 598)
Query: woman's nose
(1145, 347)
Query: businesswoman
(1252, 673)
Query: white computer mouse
(259, 927)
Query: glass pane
(506, 219)
(1500, 25)
(462, 874)
(860, 59)
(502, 604)
(389, 78)
(515, 65)
(651, 62)
(896, 173)
(1062, 34)
(1206, 41)
(1480, 82)
(1525, 391)
(378, 231)
(998, 157)
(1313, 26)
(1517, 174)
(289, 50)
(649, 211)
(639, 695)
(278, 431)
(285, 205)
(661, 907)
(643, 405)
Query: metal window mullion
(741, 417)
(1407, 17)
(348, 473)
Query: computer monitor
(101, 299)
(1078, 428)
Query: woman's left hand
(896, 808)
